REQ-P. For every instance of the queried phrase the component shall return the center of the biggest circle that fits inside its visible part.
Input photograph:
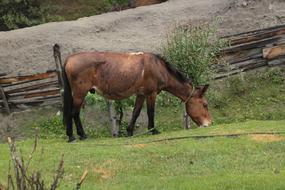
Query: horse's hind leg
(150, 102)
(69, 130)
(136, 113)
(77, 103)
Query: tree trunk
(113, 119)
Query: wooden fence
(248, 51)
(252, 50)
(20, 92)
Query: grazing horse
(117, 76)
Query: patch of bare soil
(267, 138)
(137, 146)
(245, 15)
(104, 172)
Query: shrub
(92, 99)
(20, 13)
(193, 49)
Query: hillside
(29, 50)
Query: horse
(117, 76)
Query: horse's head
(197, 107)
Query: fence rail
(252, 50)
(248, 51)
(31, 90)
(28, 90)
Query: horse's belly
(119, 80)
(113, 95)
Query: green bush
(193, 49)
(16, 14)
(20, 13)
(51, 127)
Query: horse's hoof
(83, 137)
(71, 139)
(155, 132)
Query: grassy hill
(150, 162)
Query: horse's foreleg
(150, 101)
(136, 112)
(77, 103)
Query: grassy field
(243, 104)
(244, 162)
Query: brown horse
(120, 75)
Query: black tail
(67, 94)
(67, 99)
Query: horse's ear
(203, 89)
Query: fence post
(5, 101)
(58, 63)
(186, 119)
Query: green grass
(257, 95)
(137, 163)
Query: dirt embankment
(29, 50)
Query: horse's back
(115, 75)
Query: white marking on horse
(136, 53)
(142, 73)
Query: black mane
(174, 71)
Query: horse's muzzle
(206, 124)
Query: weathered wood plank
(277, 62)
(21, 83)
(255, 32)
(3, 74)
(243, 55)
(247, 62)
(35, 93)
(238, 70)
(251, 45)
(33, 100)
(273, 52)
(256, 37)
(227, 74)
(33, 87)
(255, 66)
(28, 78)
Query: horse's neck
(179, 89)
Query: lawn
(217, 163)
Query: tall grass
(193, 49)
